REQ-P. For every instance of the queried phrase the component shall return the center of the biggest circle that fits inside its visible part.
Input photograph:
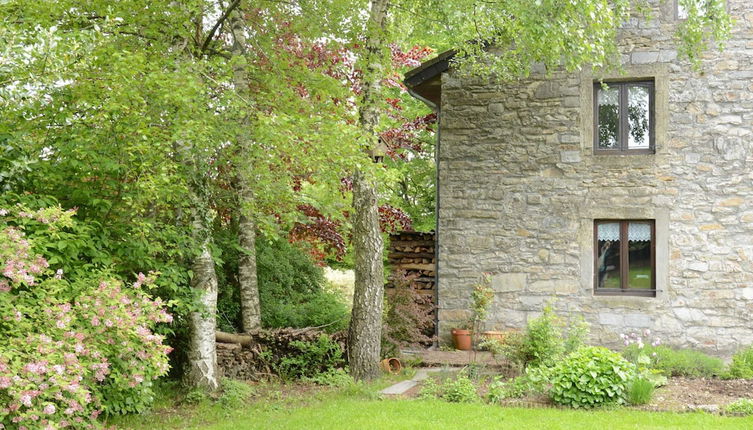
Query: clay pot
(391, 365)
(494, 335)
(462, 339)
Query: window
(624, 118)
(625, 253)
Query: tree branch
(219, 22)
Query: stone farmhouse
(629, 203)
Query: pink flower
(49, 409)
(26, 400)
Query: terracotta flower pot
(391, 365)
(494, 335)
(462, 339)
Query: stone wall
(520, 187)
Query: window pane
(608, 262)
(639, 255)
(609, 118)
(638, 117)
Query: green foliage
(458, 389)
(292, 289)
(591, 376)
(678, 362)
(311, 359)
(740, 406)
(85, 342)
(545, 340)
(235, 393)
(742, 364)
(534, 381)
(339, 378)
(639, 391)
(481, 298)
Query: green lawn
(291, 408)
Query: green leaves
(591, 376)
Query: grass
(639, 391)
(358, 407)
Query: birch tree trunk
(365, 332)
(249, 288)
(202, 353)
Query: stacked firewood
(412, 253)
(251, 356)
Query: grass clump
(742, 364)
(639, 391)
(740, 406)
(678, 362)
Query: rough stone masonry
(520, 188)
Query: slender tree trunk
(202, 354)
(249, 288)
(364, 335)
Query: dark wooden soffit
(426, 79)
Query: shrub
(740, 406)
(639, 391)
(407, 317)
(591, 376)
(544, 341)
(292, 289)
(74, 348)
(533, 381)
(460, 389)
(742, 364)
(312, 359)
(677, 362)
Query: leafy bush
(74, 348)
(532, 382)
(740, 406)
(639, 391)
(677, 362)
(545, 340)
(312, 359)
(407, 317)
(591, 376)
(460, 389)
(742, 364)
(292, 289)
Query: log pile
(251, 356)
(413, 253)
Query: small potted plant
(481, 299)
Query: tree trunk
(202, 354)
(365, 332)
(249, 288)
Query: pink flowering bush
(72, 348)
